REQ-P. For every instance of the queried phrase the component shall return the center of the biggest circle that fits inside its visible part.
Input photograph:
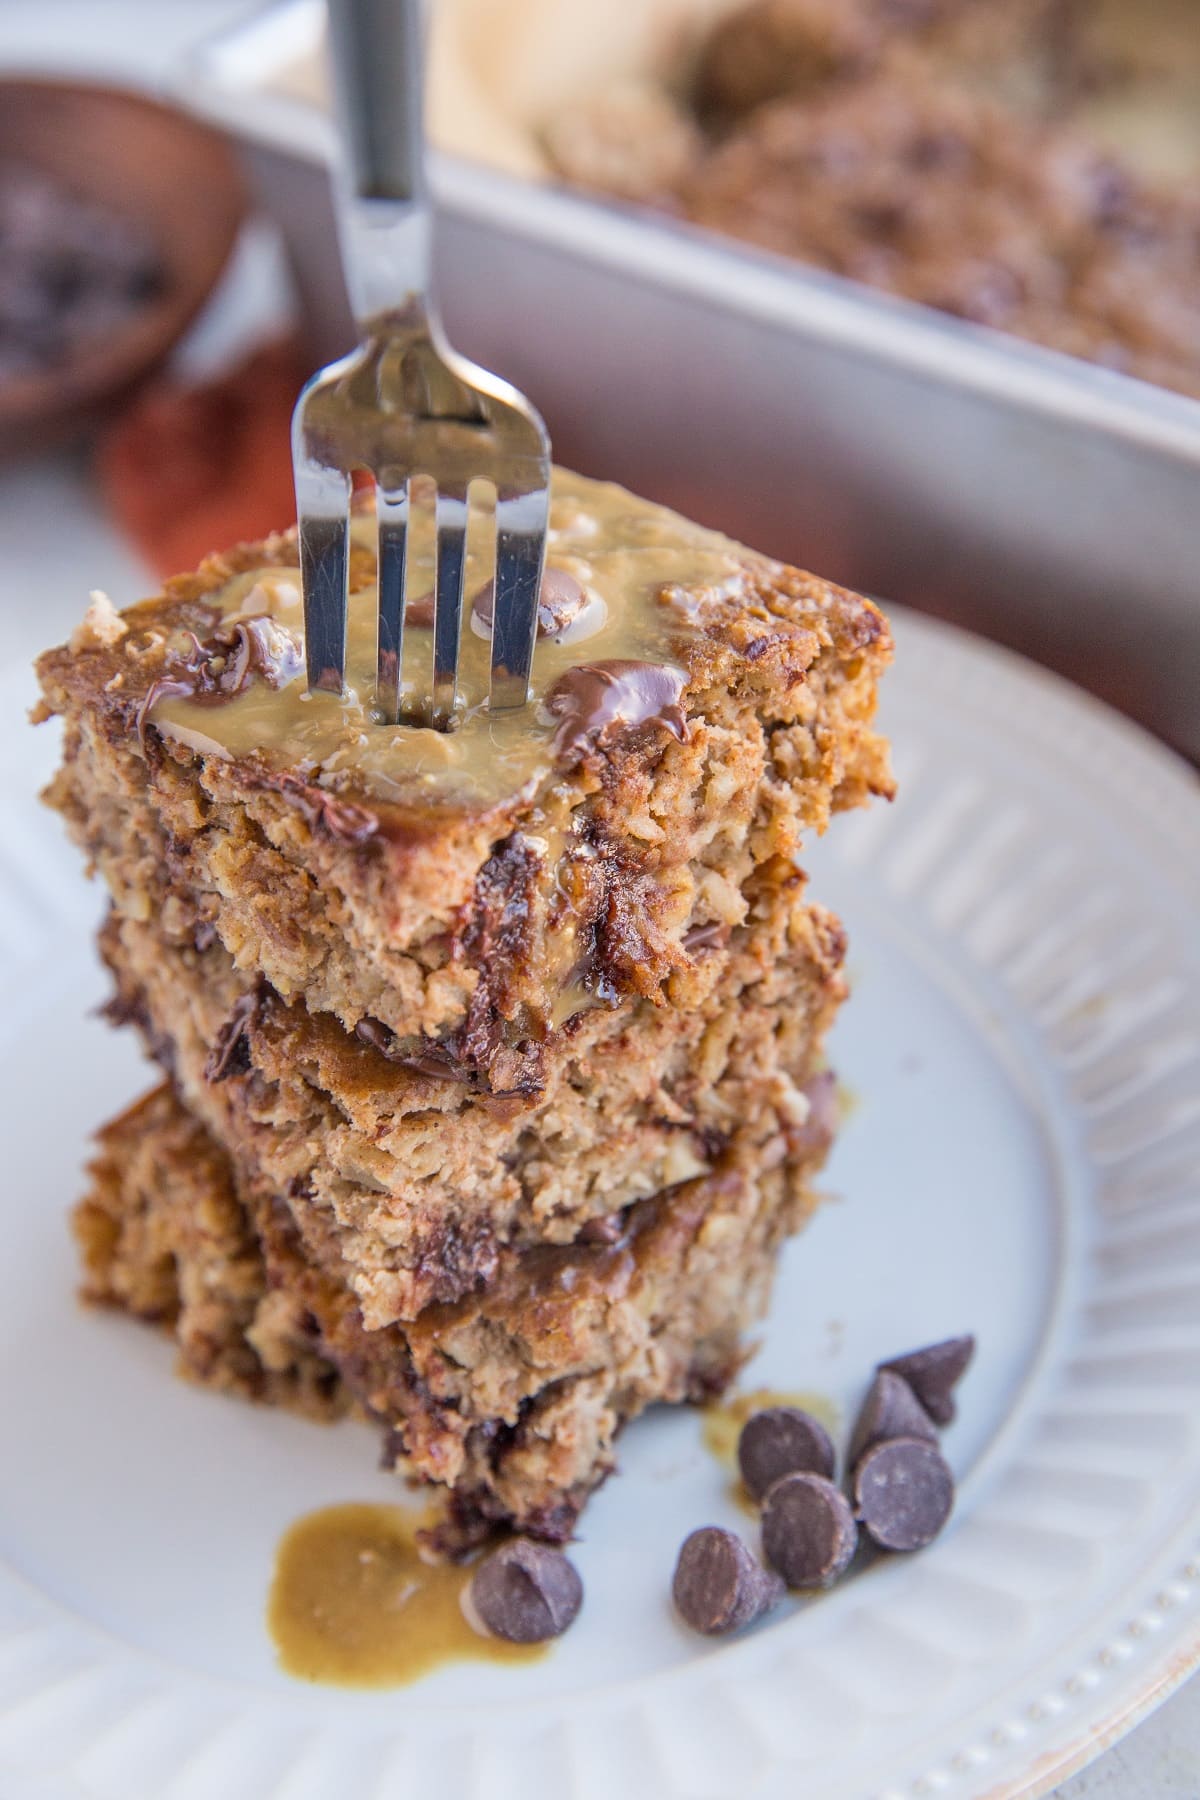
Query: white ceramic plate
(1023, 1161)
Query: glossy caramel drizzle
(629, 555)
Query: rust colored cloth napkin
(186, 471)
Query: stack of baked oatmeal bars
(493, 1072)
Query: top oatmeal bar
(456, 896)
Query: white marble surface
(48, 571)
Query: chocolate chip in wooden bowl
(890, 1410)
(526, 1592)
(809, 1534)
(934, 1372)
(719, 1586)
(782, 1440)
(903, 1493)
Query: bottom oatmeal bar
(509, 1400)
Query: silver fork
(404, 404)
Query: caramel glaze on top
(619, 561)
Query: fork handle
(384, 217)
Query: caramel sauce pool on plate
(353, 1604)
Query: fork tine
(323, 508)
(451, 518)
(391, 506)
(521, 521)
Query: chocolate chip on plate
(934, 1372)
(890, 1410)
(809, 1534)
(903, 1493)
(526, 1592)
(719, 1587)
(780, 1440)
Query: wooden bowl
(177, 179)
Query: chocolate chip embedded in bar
(934, 1372)
(781, 1440)
(609, 1228)
(820, 1127)
(903, 1493)
(719, 1588)
(525, 1592)
(230, 1053)
(333, 817)
(809, 1534)
(430, 1058)
(699, 940)
(890, 1410)
(561, 601)
(593, 702)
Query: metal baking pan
(1039, 500)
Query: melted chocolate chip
(934, 1372)
(261, 647)
(230, 1053)
(780, 1440)
(561, 599)
(163, 687)
(820, 1127)
(903, 1493)
(699, 940)
(213, 670)
(380, 1037)
(890, 1410)
(809, 1533)
(526, 1592)
(719, 1587)
(608, 1229)
(340, 818)
(432, 1060)
(595, 702)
